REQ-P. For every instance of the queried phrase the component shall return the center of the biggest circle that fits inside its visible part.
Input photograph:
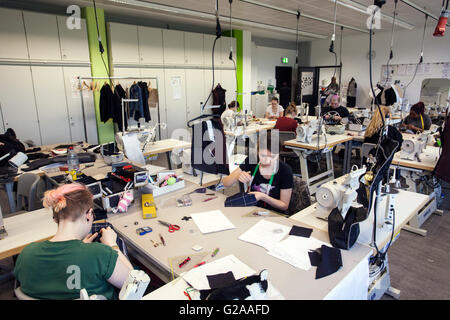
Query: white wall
(407, 48)
(264, 61)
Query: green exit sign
(284, 60)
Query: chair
(365, 149)
(283, 137)
(30, 189)
(300, 198)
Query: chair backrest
(285, 136)
(365, 149)
(300, 198)
(27, 191)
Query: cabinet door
(195, 93)
(225, 51)
(17, 102)
(173, 43)
(228, 82)
(51, 104)
(73, 98)
(208, 41)
(193, 49)
(175, 100)
(150, 45)
(12, 35)
(208, 85)
(74, 42)
(124, 43)
(158, 83)
(42, 36)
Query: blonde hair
(292, 108)
(377, 122)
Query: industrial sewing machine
(303, 112)
(413, 147)
(305, 132)
(145, 135)
(340, 193)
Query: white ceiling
(319, 8)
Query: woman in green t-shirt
(60, 267)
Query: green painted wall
(238, 34)
(105, 131)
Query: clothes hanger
(202, 117)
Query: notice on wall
(175, 83)
(307, 83)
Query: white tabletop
(329, 141)
(165, 145)
(428, 159)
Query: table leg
(9, 191)
(347, 157)
(168, 154)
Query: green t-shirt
(59, 270)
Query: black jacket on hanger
(219, 99)
(106, 102)
(145, 93)
(119, 94)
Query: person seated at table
(70, 261)
(274, 111)
(374, 128)
(288, 123)
(342, 112)
(417, 120)
(232, 108)
(268, 178)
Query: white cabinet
(173, 43)
(124, 43)
(175, 101)
(195, 93)
(17, 102)
(208, 41)
(228, 82)
(193, 49)
(12, 35)
(150, 45)
(51, 104)
(225, 44)
(42, 36)
(74, 42)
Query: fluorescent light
(210, 16)
(363, 9)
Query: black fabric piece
(119, 94)
(206, 155)
(221, 280)
(9, 144)
(315, 257)
(36, 164)
(241, 200)
(145, 93)
(389, 96)
(343, 233)
(300, 231)
(33, 150)
(219, 99)
(106, 103)
(37, 155)
(392, 133)
(330, 261)
(235, 291)
(351, 102)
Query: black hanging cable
(296, 38)
(231, 54)
(391, 52)
(298, 87)
(100, 45)
(333, 38)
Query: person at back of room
(268, 178)
(232, 108)
(335, 106)
(285, 94)
(60, 267)
(274, 111)
(417, 120)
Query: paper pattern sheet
(212, 221)
(265, 234)
(294, 250)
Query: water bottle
(72, 160)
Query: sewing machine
(340, 193)
(303, 112)
(145, 135)
(305, 132)
(413, 147)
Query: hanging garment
(351, 93)
(219, 99)
(106, 102)
(153, 98)
(119, 94)
(145, 93)
(136, 108)
(387, 96)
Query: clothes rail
(80, 79)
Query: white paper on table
(294, 250)
(132, 148)
(212, 221)
(265, 233)
(196, 277)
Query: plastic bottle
(72, 160)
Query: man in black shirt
(270, 180)
(335, 106)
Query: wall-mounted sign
(284, 60)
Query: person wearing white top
(232, 108)
(274, 111)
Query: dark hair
(265, 143)
(233, 104)
(275, 98)
(290, 109)
(418, 108)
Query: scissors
(172, 227)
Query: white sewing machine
(145, 135)
(305, 132)
(340, 193)
(303, 112)
(413, 147)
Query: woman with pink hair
(70, 261)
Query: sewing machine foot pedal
(394, 293)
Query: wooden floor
(419, 265)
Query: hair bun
(55, 198)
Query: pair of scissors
(172, 227)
